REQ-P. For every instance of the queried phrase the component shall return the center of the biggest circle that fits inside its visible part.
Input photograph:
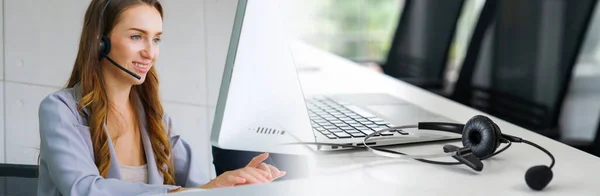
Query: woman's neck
(119, 96)
(118, 93)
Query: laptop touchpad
(370, 99)
(405, 114)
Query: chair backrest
(17, 179)
(520, 67)
(595, 146)
(422, 40)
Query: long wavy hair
(87, 72)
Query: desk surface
(361, 172)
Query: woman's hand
(246, 175)
(256, 172)
(273, 172)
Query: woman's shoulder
(63, 96)
(61, 102)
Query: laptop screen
(261, 106)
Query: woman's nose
(148, 52)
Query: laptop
(261, 106)
(348, 118)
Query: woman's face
(134, 43)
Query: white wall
(2, 133)
(40, 43)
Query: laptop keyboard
(336, 119)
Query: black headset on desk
(480, 138)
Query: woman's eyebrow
(143, 31)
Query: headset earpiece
(481, 135)
(104, 46)
(104, 41)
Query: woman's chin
(140, 81)
(135, 81)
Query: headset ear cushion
(481, 135)
(498, 134)
(104, 46)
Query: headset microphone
(105, 48)
(538, 177)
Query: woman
(106, 132)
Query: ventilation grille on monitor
(269, 131)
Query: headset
(105, 44)
(480, 138)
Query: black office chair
(520, 69)
(419, 49)
(17, 179)
(594, 148)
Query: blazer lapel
(154, 176)
(114, 171)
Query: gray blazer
(67, 158)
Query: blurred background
(534, 63)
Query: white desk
(361, 172)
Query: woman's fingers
(255, 172)
(255, 162)
(253, 175)
(246, 175)
(266, 168)
(226, 179)
(259, 174)
(249, 178)
(275, 172)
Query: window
(359, 30)
(362, 30)
(466, 26)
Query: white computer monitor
(261, 106)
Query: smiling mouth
(141, 66)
